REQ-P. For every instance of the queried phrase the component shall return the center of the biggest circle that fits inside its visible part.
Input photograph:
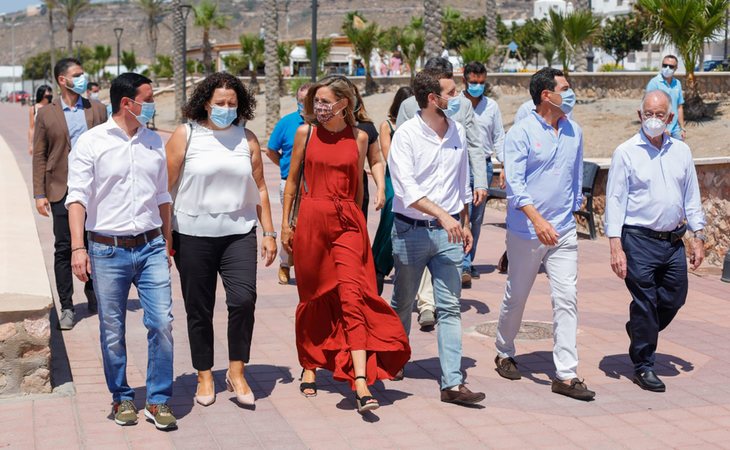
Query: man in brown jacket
(57, 128)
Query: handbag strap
(188, 138)
(303, 181)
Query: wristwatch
(701, 236)
(270, 233)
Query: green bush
(295, 83)
(610, 67)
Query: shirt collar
(664, 80)
(114, 129)
(561, 122)
(79, 104)
(642, 140)
(430, 133)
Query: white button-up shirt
(424, 165)
(121, 181)
(488, 120)
(652, 188)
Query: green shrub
(610, 67)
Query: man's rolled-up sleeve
(80, 173)
(692, 199)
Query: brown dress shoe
(507, 368)
(577, 389)
(466, 280)
(462, 397)
(284, 275)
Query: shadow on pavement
(615, 366)
(537, 363)
(61, 377)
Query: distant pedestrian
(43, 97)
(652, 189)
(217, 178)
(544, 160)
(279, 149)
(666, 82)
(57, 128)
(118, 182)
(92, 91)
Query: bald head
(656, 101)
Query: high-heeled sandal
(366, 403)
(243, 399)
(303, 386)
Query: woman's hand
(268, 250)
(379, 199)
(287, 238)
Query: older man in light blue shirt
(544, 163)
(652, 188)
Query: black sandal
(366, 403)
(307, 385)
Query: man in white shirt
(652, 188)
(429, 167)
(118, 179)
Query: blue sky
(18, 5)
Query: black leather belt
(422, 223)
(671, 236)
(125, 241)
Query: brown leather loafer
(462, 397)
(577, 389)
(507, 368)
(283, 274)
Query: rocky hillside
(96, 26)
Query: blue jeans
(476, 218)
(415, 248)
(115, 269)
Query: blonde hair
(341, 87)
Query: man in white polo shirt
(118, 176)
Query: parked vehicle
(18, 97)
(714, 64)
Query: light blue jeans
(115, 269)
(476, 218)
(415, 248)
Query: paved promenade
(693, 359)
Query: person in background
(342, 324)
(57, 128)
(43, 97)
(544, 159)
(217, 178)
(278, 149)
(488, 120)
(652, 189)
(92, 91)
(666, 82)
(382, 244)
(118, 176)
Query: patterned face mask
(325, 111)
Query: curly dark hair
(195, 108)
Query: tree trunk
(491, 31)
(581, 64)
(52, 42)
(178, 68)
(207, 50)
(271, 66)
(70, 32)
(432, 17)
(694, 106)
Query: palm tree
(413, 44)
(283, 56)
(252, 50)
(50, 6)
(208, 17)
(71, 10)
(579, 29)
(432, 17)
(324, 47)
(477, 50)
(272, 70)
(129, 60)
(363, 36)
(101, 55)
(154, 12)
(688, 25)
(492, 17)
(568, 32)
(177, 58)
(581, 64)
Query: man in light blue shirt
(665, 81)
(75, 119)
(652, 188)
(544, 161)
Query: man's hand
(268, 250)
(81, 265)
(453, 228)
(502, 180)
(618, 258)
(697, 255)
(480, 195)
(43, 207)
(545, 231)
(684, 134)
(468, 239)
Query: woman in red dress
(342, 325)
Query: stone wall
(24, 351)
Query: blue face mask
(221, 116)
(147, 113)
(79, 84)
(453, 106)
(568, 101)
(475, 89)
(300, 108)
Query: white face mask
(653, 127)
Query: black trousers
(656, 276)
(199, 261)
(62, 257)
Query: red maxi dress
(339, 308)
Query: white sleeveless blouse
(216, 195)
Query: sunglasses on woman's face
(671, 66)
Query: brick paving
(693, 360)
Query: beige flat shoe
(242, 399)
(204, 400)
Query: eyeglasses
(648, 115)
(671, 66)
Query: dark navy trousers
(656, 276)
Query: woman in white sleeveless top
(216, 178)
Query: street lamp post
(590, 56)
(184, 13)
(118, 34)
(314, 41)
(78, 49)
(12, 39)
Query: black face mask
(49, 98)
